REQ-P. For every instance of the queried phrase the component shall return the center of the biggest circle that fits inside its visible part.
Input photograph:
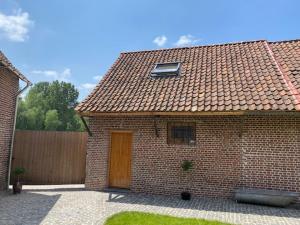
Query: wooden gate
(50, 157)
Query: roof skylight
(165, 69)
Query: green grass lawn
(139, 218)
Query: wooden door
(120, 159)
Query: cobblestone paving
(74, 205)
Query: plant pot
(185, 195)
(17, 188)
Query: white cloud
(97, 77)
(186, 40)
(87, 86)
(160, 40)
(15, 27)
(65, 75)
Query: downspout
(13, 134)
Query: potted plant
(186, 166)
(17, 186)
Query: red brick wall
(9, 85)
(253, 151)
(271, 156)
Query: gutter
(28, 84)
(199, 113)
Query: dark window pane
(165, 69)
(181, 134)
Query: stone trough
(265, 197)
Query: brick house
(232, 109)
(9, 90)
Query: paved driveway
(74, 205)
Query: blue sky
(77, 41)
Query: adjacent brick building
(231, 109)
(9, 88)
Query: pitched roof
(6, 63)
(245, 76)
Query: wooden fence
(50, 157)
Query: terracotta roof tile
(287, 54)
(257, 75)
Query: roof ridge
(291, 40)
(295, 93)
(194, 46)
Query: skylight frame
(156, 72)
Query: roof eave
(20, 76)
(202, 113)
(14, 70)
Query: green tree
(38, 96)
(49, 106)
(63, 97)
(52, 121)
(34, 119)
(75, 124)
(29, 118)
(21, 115)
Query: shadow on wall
(203, 204)
(25, 208)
